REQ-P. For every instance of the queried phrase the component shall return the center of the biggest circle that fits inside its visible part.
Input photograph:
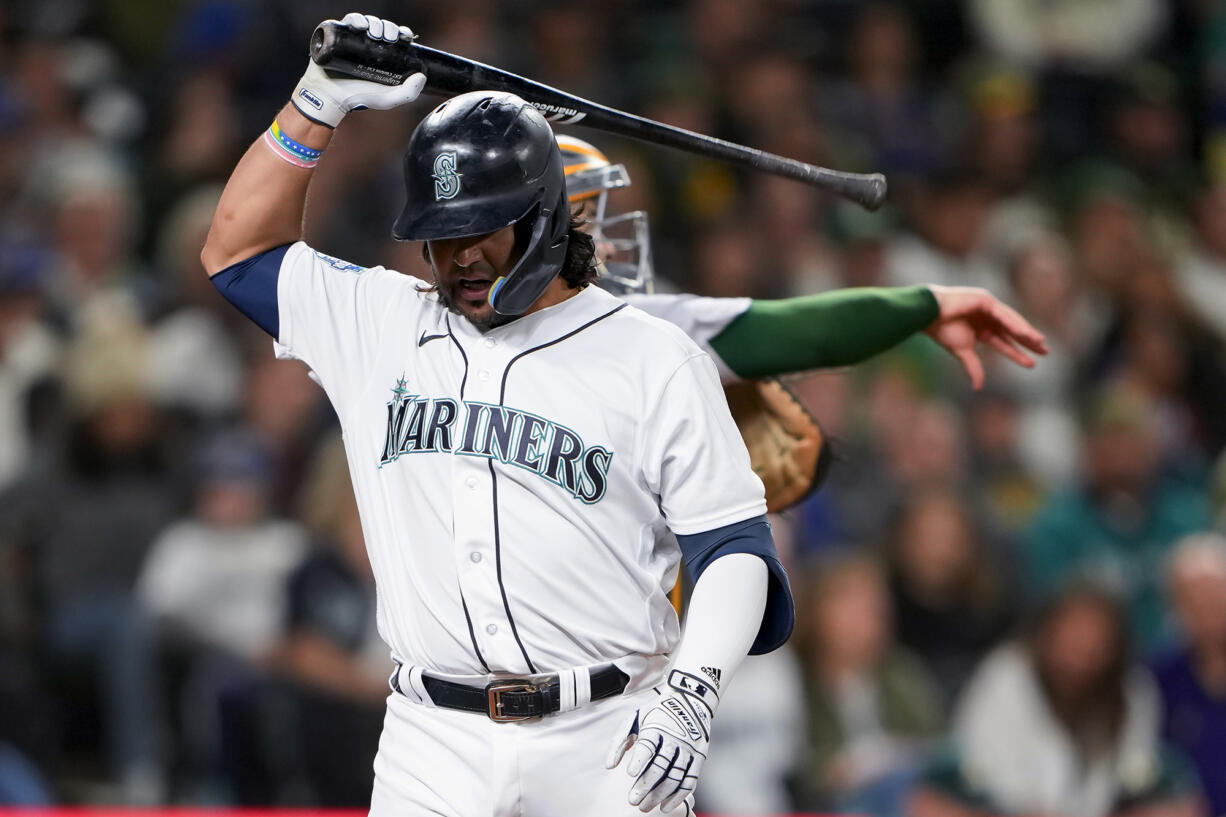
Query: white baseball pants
(435, 761)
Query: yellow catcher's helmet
(623, 242)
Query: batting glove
(667, 742)
(326, 99)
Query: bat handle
(344, 51)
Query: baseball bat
(349, 52)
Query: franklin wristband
(293, 152)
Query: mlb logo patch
(336, 263)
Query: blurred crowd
(1009, 602)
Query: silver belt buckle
(496, 690)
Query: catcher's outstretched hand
(667, 742)
(970, 315)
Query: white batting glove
(669, 741)
(326, 99)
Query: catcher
(753, 342)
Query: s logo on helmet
(446, 179)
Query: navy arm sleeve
(699, 550)
(251, 286)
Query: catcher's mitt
(786, 446)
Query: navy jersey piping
(502, 396)
(472, 635)
(450, 334)
(498, 569)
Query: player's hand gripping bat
(342, 50)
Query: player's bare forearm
(262, 205)
(264, 200)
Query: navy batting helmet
(480, 162)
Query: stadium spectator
(1192, 675)
(214, 584)
(1120, 522)
(87, 512)
(1045, 285)
(1007, 489)
(882, 108)
(872, 706)
(1068, 32)
(1063, 723)
(948, 213)
(215, 579)
(95, 218)
(950, 597)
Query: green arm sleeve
(822, 331)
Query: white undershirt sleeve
(724, 615)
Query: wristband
(290, 151)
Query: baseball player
(753, 339)
(523, 446)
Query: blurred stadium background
(1011, 601)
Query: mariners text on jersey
(417, 424)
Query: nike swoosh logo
(424, 339)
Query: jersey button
(475, 556)
(471, 482)
(490, 343)
(491, 628)
(484, 374)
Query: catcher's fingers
(1017, 327)
(1008, 349)
(623, 739)
(644, 793)
(972, 365)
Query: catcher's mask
(478, 163)
(622, 241)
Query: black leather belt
(516, 699)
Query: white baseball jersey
(701, 318)
(517, 487)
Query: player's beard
(448, 296)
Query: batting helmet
(623, 240)
(481, 162)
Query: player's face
(466, 268)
